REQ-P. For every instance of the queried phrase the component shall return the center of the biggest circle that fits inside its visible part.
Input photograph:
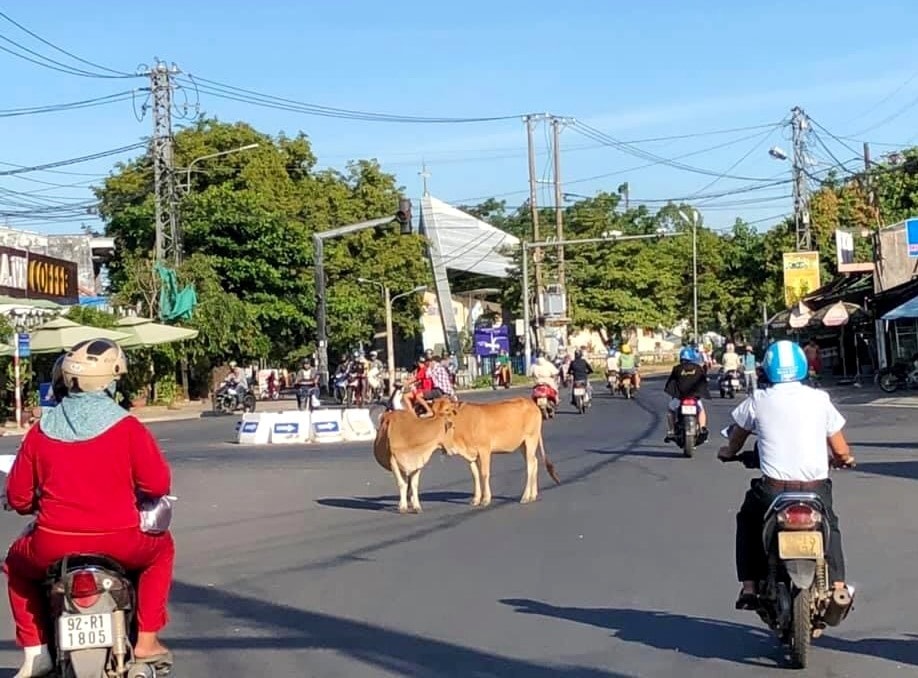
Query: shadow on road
(891, 446)
(390, 501)
(659, 454)
(695, 636)
(896, 469)
(281, 627)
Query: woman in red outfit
(80, 471)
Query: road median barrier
(358, 425)
(326, 426)
(255, 428)
(290, 428)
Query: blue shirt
(749, 361)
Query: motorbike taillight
(799, 517)
(84, 592)
(689, 401)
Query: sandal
(161, 663)
(747, 601)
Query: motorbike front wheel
(802, 631)
(888, 382)
(248, 403)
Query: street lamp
(693, 220)
(390, 341)
(247, 147)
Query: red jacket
(88, 486)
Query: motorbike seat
(78, 561)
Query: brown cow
(404, 444)
(481, 429)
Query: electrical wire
(21, 169)
(56, 108)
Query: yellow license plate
(793, 545)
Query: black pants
(751, 560)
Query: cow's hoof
(526, 500)
(403, 509)
(485, 502)
(416, 509)
(475, 502)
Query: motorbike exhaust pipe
(840, 604)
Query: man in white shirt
(793, 423)
(730, 359)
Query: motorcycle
(500, 377)
(796, 601)
(612, 381)
(687, 433)
(626, 385)
(581, 393)
(546, 398)
(356, 389)
(340, 386)
(272, 392)
(396, 401)
(226, 401)
(729, 383)
(92, 602)
(900, 375)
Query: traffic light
(403, 216)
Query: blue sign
(326, 427)
(46, 395)
(250, 427)
(911, 237)
(492, 340)
(287, 428)
(24, 347)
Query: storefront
(897, 307)
(24, 275)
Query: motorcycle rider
(305, 382)
(80, 470)
(612, 361)
(687, 380)
(376, 372)
(238, 378)
(580, 370)
(729, 361)
(793, 423)
(544, 372)
(441, 384)
(628, 364)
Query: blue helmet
(689, 354)
(784, 362)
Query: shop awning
(907, 310)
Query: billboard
(801, 275)
(491, 340)
(35, 276)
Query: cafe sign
(36, 276)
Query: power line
(21, 169)
(56, 108)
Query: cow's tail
(548, 465)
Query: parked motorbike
(225, 399)
(92, 603)
(546, 398)
(729, 383)
(581, 394)
(612, 381)
(797, 600)
(901, 375)
(687, 432)
(626, 386)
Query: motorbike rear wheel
(688, 442)
(888, 382)
(802, 631)
(581, 407)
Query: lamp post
(388, 300)
(694, 222)
(247, 147)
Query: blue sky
(633, 70)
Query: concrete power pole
(534, 211)
(167, 245)
(559, 213)
(799, 128)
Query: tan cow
(481, 429)
(404, 444)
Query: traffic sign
(46, 394)
(911, 237)
(287, 428)
(24, 346)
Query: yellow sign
(801, 275)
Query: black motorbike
(901, 375)
(687, 433)
(797, 601)
(730, 383)
(226, 399)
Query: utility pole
(559, 214)
(425, 175)
(799, 128)
(168, 245)
(534, 211)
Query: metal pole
(321, 331)
(17, 378)
(559, 213)
(390, 341)
(695, 271)
(534, 212)
(527, 344)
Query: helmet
(356, 354)
(58, 383)
(578, 354)
(373, 354)
(93, 365)
(784, 362)
(626, 348)
(233, 363)
(688, 354)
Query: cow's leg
(531, 491)
(414, 480)
(484, 465)
(476, 479)
(402, 486)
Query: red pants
(151, 555)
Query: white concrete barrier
(357, 425)
(255, 428)
(290, 428)
(326, 426)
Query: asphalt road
(293, 561)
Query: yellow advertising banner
(801, 275)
